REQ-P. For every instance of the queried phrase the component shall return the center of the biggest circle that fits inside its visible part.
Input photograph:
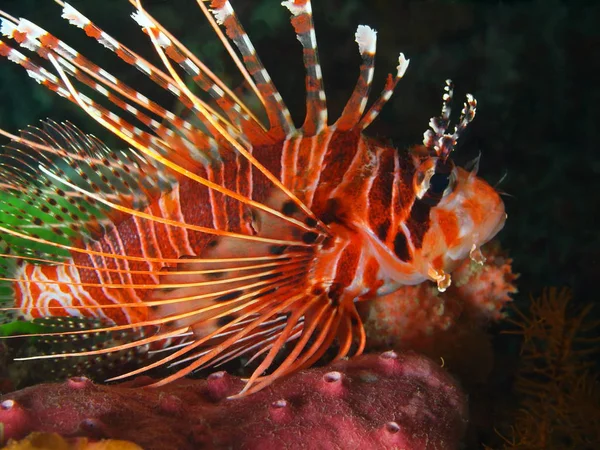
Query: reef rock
(449, 326)
(390, 400)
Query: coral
(448, 325)
(53, 441)
(486, 288)
(390, 400)
(557, 380)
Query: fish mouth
(479, 236)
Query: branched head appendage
(437, 140)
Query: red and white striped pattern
(241, 236)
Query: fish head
(464, 212)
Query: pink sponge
(389, 400)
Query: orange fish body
(222, 236)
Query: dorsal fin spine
(386, 94)
(316, 106)
(280, 120)
(366, 38)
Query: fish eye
(439, 182)
(435, 179)
(442, 184)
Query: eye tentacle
(437, 140)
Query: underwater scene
(308, 224)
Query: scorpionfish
(219, 231)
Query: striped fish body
(360, 195)
(228, 238)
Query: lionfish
(212, 235)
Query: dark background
(532, 65)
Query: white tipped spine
(296, 10)
(7, 28)
(145, 22)
(142, 19)
(366, 38)
(222, 13)
(402, 65)
(74, 17)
